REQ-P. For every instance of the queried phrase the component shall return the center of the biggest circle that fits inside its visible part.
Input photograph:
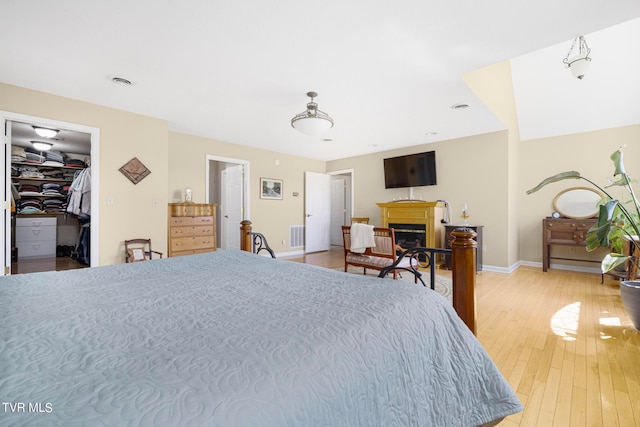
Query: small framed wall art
(270, 188)
(135, 170)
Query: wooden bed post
(463, 249)
(245, 237)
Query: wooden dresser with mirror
(576, 211)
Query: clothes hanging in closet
(79, 203)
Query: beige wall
(587, 153)
(122, 136)
(494, 86)
(463, 175)
(490, 172)
(477, 170)
(187, 158)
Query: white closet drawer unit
(36, 237)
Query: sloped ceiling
(238, 71)
(550, 101)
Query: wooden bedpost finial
(463, 248)
(245, 237)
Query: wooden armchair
(360, 219)
(139, 250)
(376, 258)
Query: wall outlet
(572, 249)
(284, 242)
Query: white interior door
(232, 196)
(317, 206)
(338, 209)
(5, 250)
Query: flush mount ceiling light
(578, 63)
(41, 145)
(45, 132)
(312, 122)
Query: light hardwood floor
(562, 340)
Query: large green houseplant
(618, 224)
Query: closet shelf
(40, 165)
(23, 178)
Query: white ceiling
(238, 70)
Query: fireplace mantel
(428, 214)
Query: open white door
(317, 206)
(232, 196)
(5, 250)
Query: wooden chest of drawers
(564, 231)
(192, 228)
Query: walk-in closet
(51, 198)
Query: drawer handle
(37, 223)
(36, 231)
(35, 246)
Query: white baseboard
(565, 267)
(288, 254)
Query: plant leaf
(613, 260)
(617, 162)
(607, 211)
(555, 178)
(598, 236)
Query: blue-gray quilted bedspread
(234, 339)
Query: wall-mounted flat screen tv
(413, 170)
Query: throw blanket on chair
(361, 237)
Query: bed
(231, 338)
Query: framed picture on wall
(270, 188)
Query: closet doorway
(41, 171)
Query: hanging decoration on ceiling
(312, 122)
(579, 62)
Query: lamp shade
(312, 125)
(579, 65)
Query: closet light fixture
(45, 132)
(312, 122)
(41, 145)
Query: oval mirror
(577, 202)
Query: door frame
(350, 190)
(246, 184)
(8, 116)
